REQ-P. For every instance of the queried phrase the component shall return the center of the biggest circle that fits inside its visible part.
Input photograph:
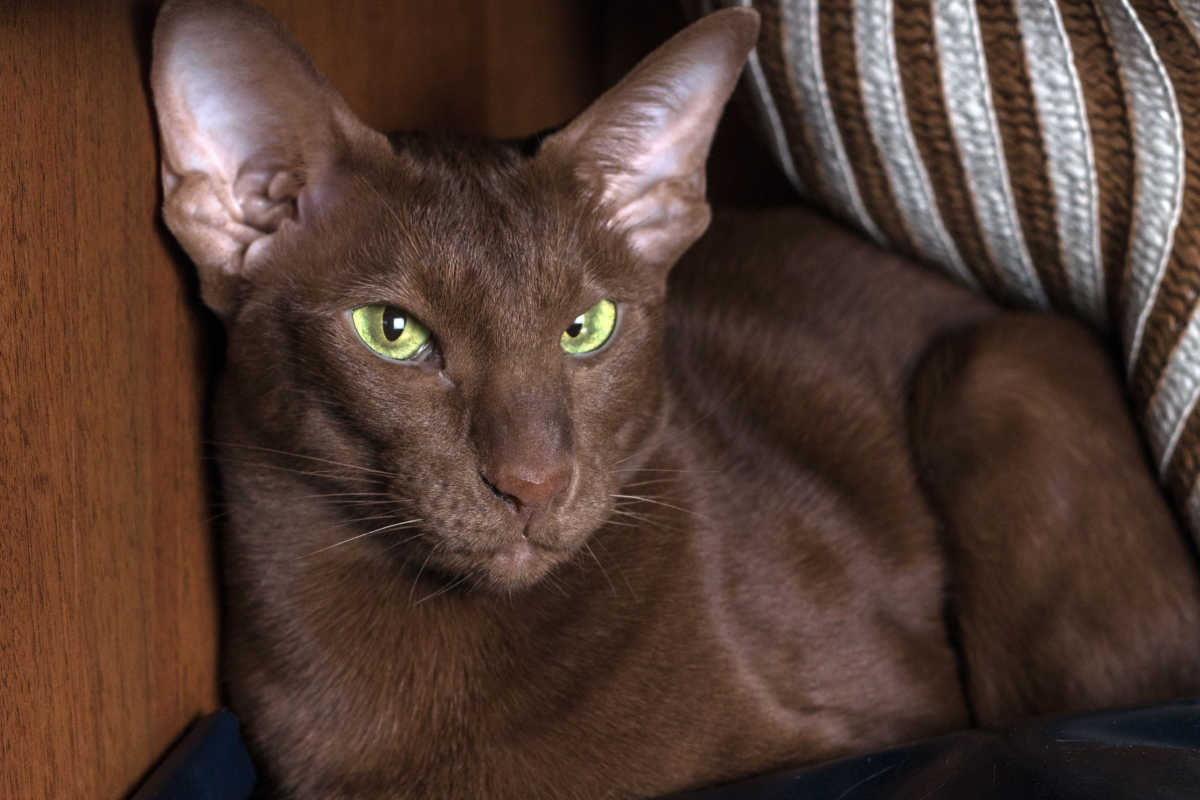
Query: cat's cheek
(630, 431)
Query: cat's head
(479, 328)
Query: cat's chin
(516, 566)
(519, 565)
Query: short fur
(810, 500)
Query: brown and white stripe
(807, 73)
(887, 117)
(1158, 161)
(768, 110)
(1070, 161)
(1047, 151)
(973, 122)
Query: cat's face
(485, 424)
(477, 330)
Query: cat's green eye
(591, 329)
(391, 332)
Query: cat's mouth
(489, 542)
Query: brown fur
(1070, 586)
(796, 456)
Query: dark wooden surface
(108, 599)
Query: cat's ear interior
(252, 137)
(641, 147)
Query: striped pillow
(1046, 152)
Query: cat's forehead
(482, 225)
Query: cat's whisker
(458, 582)
(616, 566)
(417, 580)
(289, 470)
(347, 494)
(651, 482)
(645, 520)
(371, 518)
(643, 499)
(363, 500)
(362, 503)
(587, 546)
(639, 516)
(659, 469)
(626, 458)
(552, 581)
(406, 540)
(634, 506)
(356, 537)
(272, 450)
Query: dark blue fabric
(1142, 754)
(209, 763)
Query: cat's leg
(1072, 586)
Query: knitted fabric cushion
(1045, 152)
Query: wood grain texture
(489, 67)
(106, 586)
(108, 599)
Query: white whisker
(393, 526)
(301, 455)
(281, 468)
(650, 482)
(323, 495)
(646, 521)
(406, 540)
(642, 499)
(588, 548)
(444, 589)
(417, 580)
(658, 469)
(617, 566)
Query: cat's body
(778, 595)
(790, 507)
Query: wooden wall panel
(107, 607)
(489, 67)
(108, 610)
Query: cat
(545, 481)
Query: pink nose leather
(531, 488)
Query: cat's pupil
(393, 323)
(576, 327)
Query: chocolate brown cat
(519, 507)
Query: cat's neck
(427, 655)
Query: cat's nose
(529, 488)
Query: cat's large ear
(253, 137)
(642, 146)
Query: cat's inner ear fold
(252, 137)
(642, 146)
